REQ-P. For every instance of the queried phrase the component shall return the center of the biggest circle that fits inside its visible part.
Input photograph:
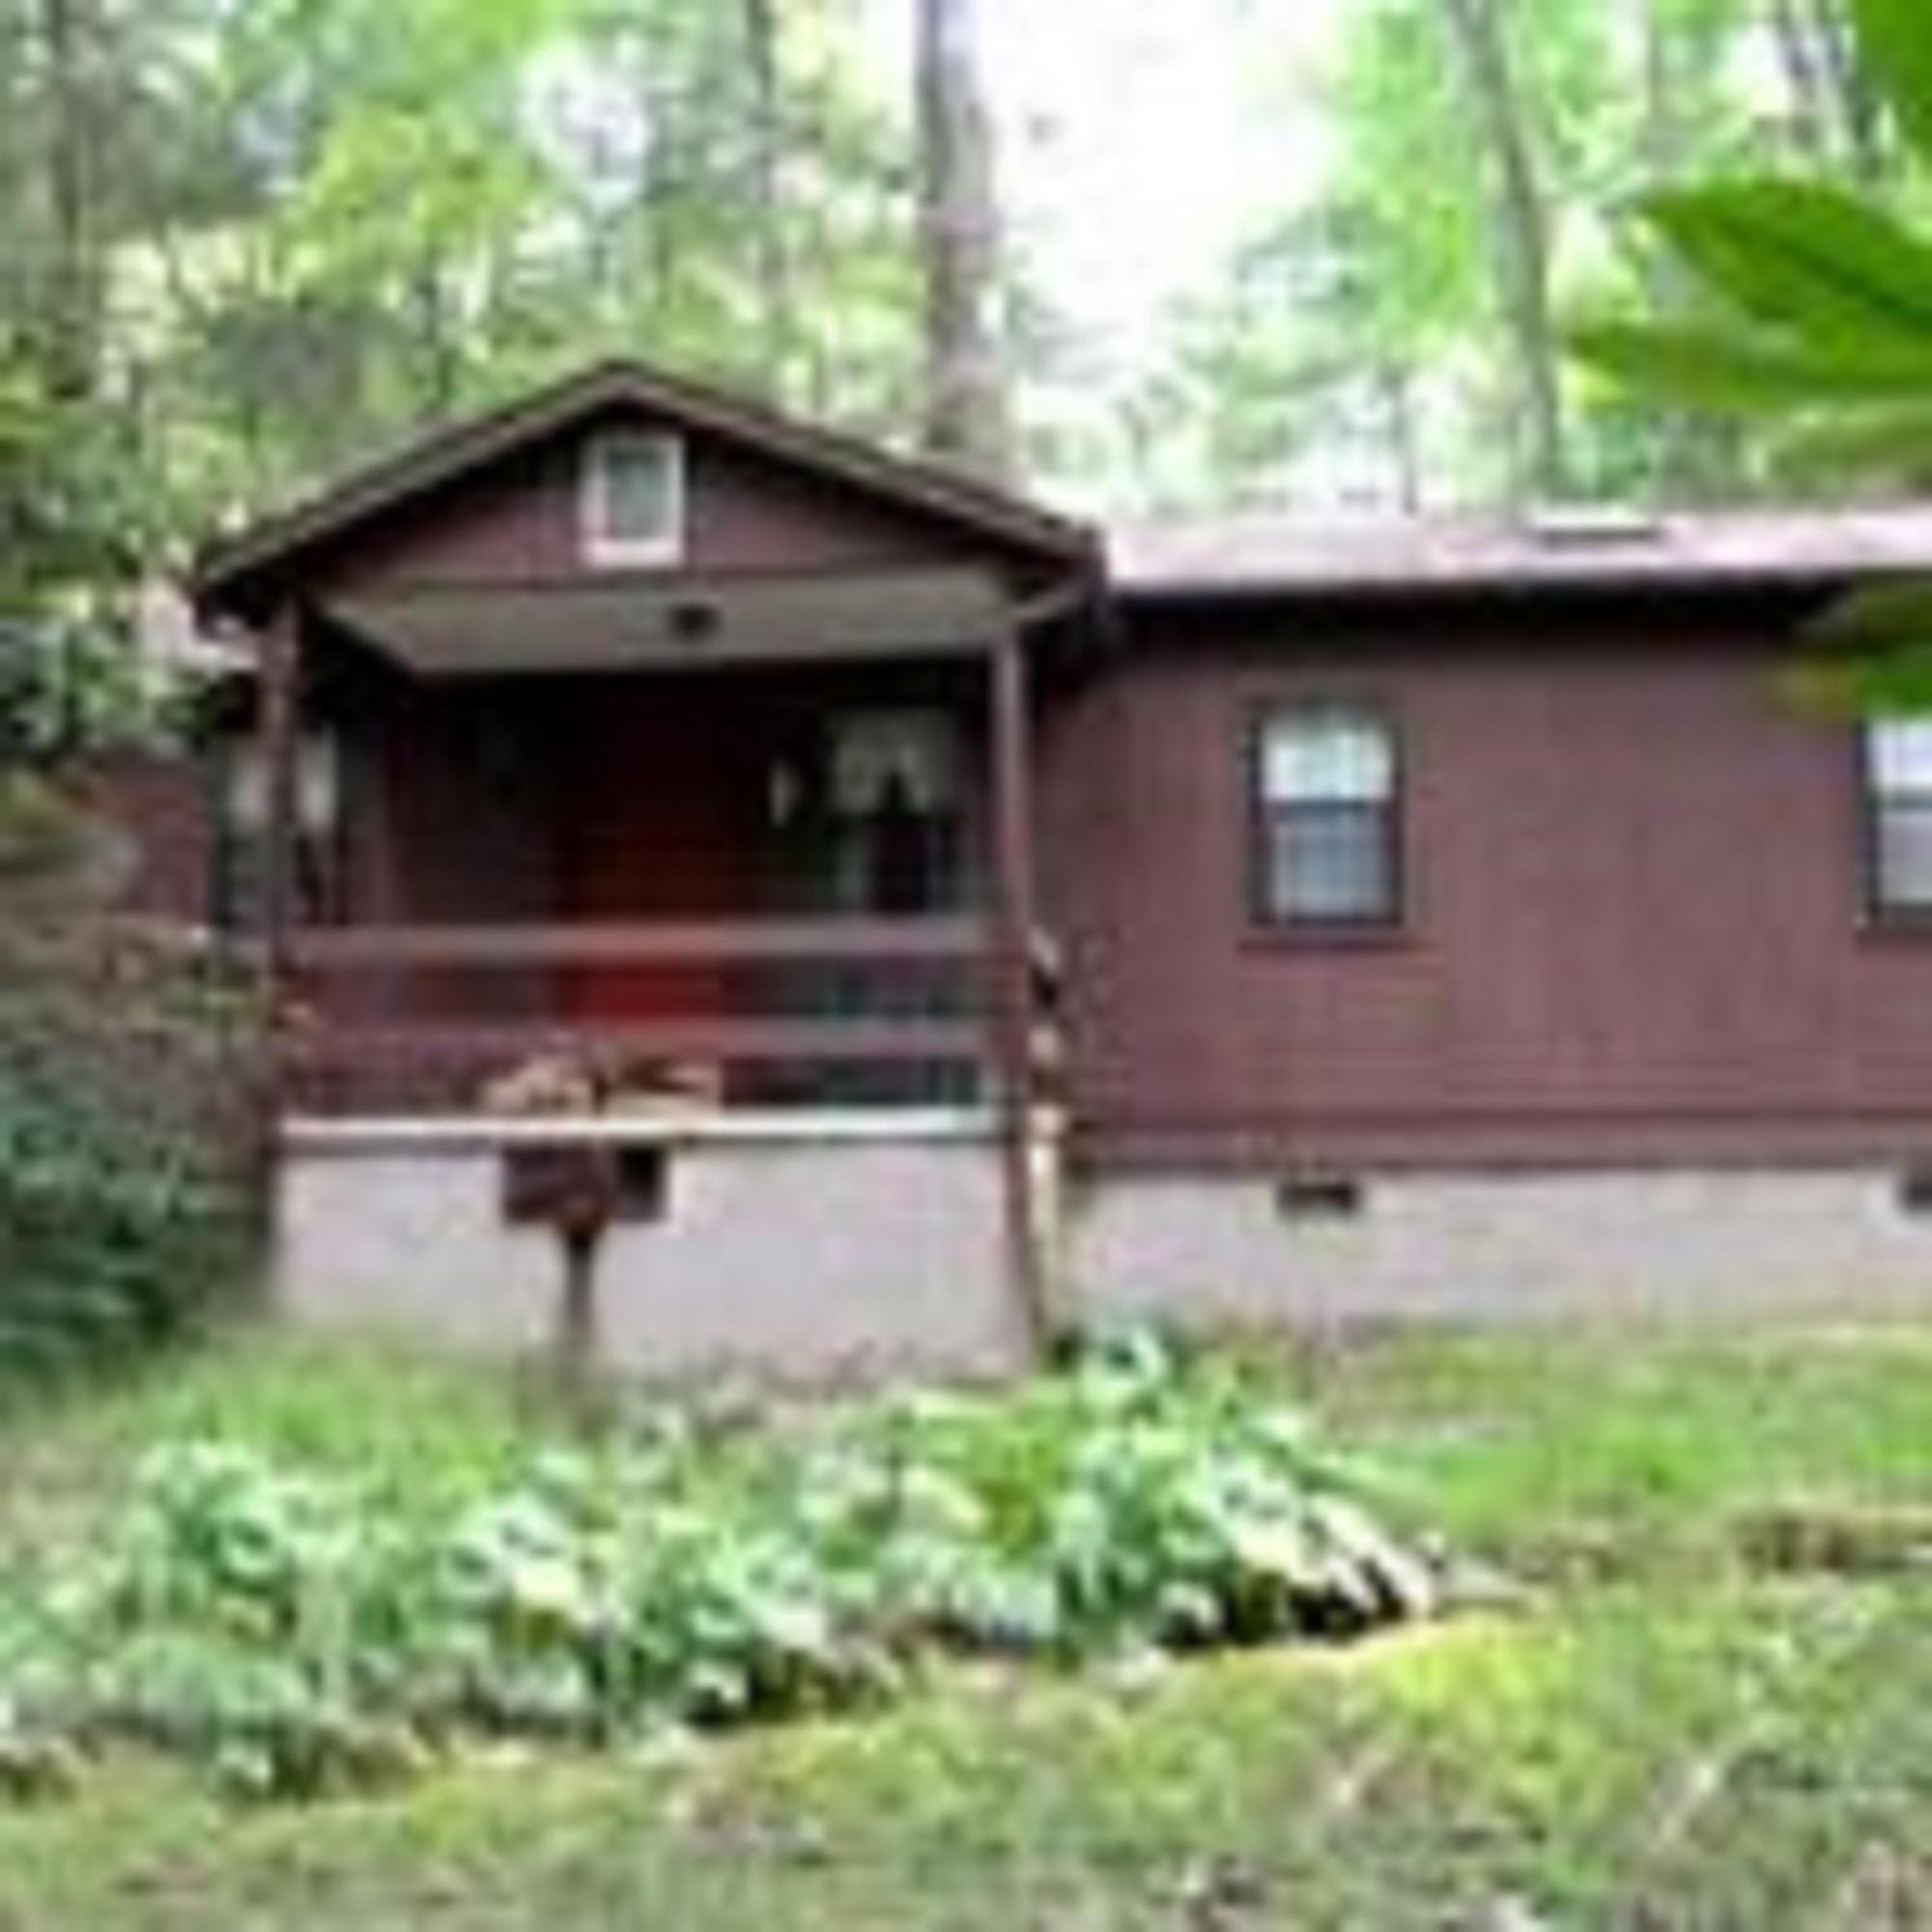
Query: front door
(657, 828)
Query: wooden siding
(1633, 921)
(525, 859)
(518, 521)
(162, 805)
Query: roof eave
(224, 571)
(1421, 588)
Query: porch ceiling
(686, 623)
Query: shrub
(293, 1634)
(129, 1092)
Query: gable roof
(1278, 556)
(442, 457)
(1324, 560)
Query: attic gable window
(634, 499)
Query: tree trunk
(438, 337)
(1678, 440)
(1395, 385)
(965, 403)
(1520, 231)
(771, 264)
(1852, 102)
(1803, 79)
(1834, 118)
(73, 315)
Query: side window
(240, 827)
(633, 498)
(1898, 817)
(1327, 816)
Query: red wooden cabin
(1324, 878)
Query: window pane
(1331, 862)
(318, 785)
(1905, 856)
(637, 489)
(916, 752)
(1900, 751)
(1312, 757)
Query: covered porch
(750, 843)
(636, 771)
(665, 865)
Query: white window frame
(604, 549)
(1378, 796)
(1895, 755)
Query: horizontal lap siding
(519, 521)
(1632, 924)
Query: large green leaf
(1896, 54)
(1871, 653)
(1736, 373)
(1807, 259)
(1891, 442)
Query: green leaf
(1895, 683)
(1891, 442)
(1870, 654)
(1736, 372)
(1885, 617)
(1805, 259)
(1895, 55)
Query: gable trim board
(232, 570)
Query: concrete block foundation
(1706, 1245)
(857, 1247)
(808, 1253)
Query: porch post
(279, 724)
(1013, 972)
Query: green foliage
(1666, 1738)
(1815, 304)
(126, 1133)
(1818, 301)
(69, 685)
(247, 244)
(41, 835)
(1897, 55)
(1813, 313)
(72, 527)
(1359, 345)
(293, 1631)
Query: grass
(1640, 1453)
(1662, 1735)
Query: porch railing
(848, 1009)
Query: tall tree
(1834, 111)
(1361, 335)
(966, 408)
(771, 267)
(74, 314)
(245, 243)
(1519, 225)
